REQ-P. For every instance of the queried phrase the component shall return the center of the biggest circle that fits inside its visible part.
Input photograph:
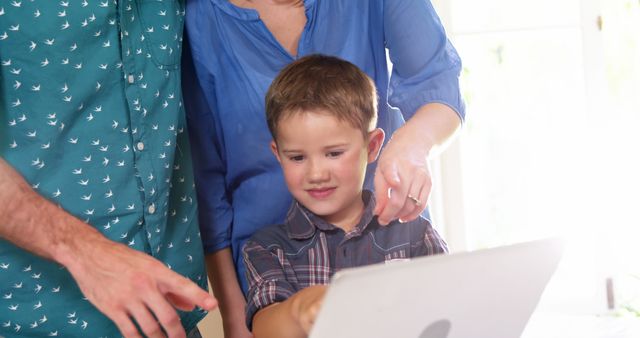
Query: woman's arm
(222, 275)
(424, 86)
(403, 164)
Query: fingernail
(210, 303)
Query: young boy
(321, 112)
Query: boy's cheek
(292, 177)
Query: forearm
(433, 124)
(222, 275)
(277, 321)
(116, 279)
(33, 223)
(292, 318)
(403, 164)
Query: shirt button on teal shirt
(91, 116)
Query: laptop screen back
(487, 293)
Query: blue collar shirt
(306, 250)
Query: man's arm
(292, 318)
(121, 282)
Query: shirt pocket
(389, 249)
(309, 261)
(162, 26)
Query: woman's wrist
(431, 126)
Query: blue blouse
(234, 58)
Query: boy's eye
(334, 153)
(296, 158)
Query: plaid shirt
(306, 251)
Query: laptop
(488, 293)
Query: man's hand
(123, 283)
(128, 285)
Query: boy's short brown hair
(321, 82)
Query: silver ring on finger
(415, 200)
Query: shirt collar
(302, 223)
(247, 14)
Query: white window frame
(447, 202)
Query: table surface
(552, 325)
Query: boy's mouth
(321, 193)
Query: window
(550, 142)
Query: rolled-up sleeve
(215, 211)
(426, 66)
(266, 277)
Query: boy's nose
(318, 171)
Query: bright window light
(550, 146)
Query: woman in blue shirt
(234, 50)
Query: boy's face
(324, 162)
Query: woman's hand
(402, 179)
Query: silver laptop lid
(486, 293)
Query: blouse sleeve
(426, 66)
(215, 213)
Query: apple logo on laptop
(437, 329)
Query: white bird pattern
(78, 147)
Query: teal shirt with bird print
(91, 116)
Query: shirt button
(140, 146)
(130, 78)
(152, 208)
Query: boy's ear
(274, 150)
(376, 138)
